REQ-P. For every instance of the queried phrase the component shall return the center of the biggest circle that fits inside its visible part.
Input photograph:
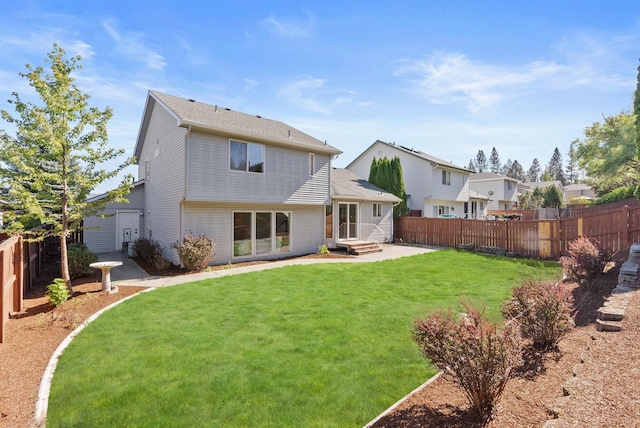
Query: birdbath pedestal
(105, 267)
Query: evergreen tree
(398, 188)
(546, 176)
(506, 168)
(481, 162)
(555, 168)
(552, 197)
(636, 113)
(471, 167)
(387, 175)
(494, 161)
(51, 165)
(516, 171)
(572, 166)
(533, 173)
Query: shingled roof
(206, 117)
(347, 185)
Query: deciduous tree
(53, 162)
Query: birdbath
(105, 267)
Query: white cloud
(448, 78)
(289, 28)
(308, 92)
(131, 46)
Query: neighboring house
(433, 186)
(362, 210)
(502, 190)
(569, 191)
(578, 190)
(478, 204)
(118, 223)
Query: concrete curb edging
(403, 399)
(42, 403)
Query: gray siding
(415, 171)
(216, 220)
(164, 150)
(100, 233)
(285, 179)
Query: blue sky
(445, 77)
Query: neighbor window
(508, 185)
(247, 157)
(377, 209)
(446, 178)
(312, 162)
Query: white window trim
(377, 209)
(253, 233)
(264, 155)
(312, 164)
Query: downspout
(186, 180)
(392, 218)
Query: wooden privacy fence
(11, 277)
(548, 239)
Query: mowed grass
(315, 346)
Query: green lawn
(320, 345)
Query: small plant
(475, 354)
(323, 249)
(542, 310)
(196, 251)
(57, 292)
(585, 262)
(79, 258)
(147, 249)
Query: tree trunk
(64, 263)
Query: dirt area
(606, 366)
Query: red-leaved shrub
(586, 260)
(474, 353)
(196, 251)
(542, 310)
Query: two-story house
(259, 187)
(502, 190)
(434, 186)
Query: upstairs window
(247, 157)
(446, 178)
(508, 185)
(312, 163)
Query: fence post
(19, 276)
(555, 239)
(625, 231)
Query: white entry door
(127, 227)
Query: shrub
(196, 251)
(57, 292)
(79, 258)
(474, 353)
(585, 261)
(542, 310)
(147, 249)
(160, 263)
(323, 249)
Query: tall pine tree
(533, 173)
(481, 162)
(555, 168)
(494, 162)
